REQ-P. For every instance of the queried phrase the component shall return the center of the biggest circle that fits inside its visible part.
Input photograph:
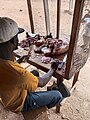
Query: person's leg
(40, 99)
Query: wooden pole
(74, 33)
(46, 12)
(58, 17)
(30, 15)
(75, 79)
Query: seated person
(17, 85)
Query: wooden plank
(30, 15)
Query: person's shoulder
(17, 67)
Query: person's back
(12, 95)
(13, 84)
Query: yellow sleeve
(29, 81)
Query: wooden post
(30, 15)
(46, 12)
(58, 17)
(75, 79)
(74, 33)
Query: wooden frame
(74, 32)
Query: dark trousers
(43, 98)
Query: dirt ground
(77, 106)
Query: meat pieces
(45, 59)
(60, 46)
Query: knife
(61, 64)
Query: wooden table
(35, 60)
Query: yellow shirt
(14, 83)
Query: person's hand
(26, 57)
(54, 65)
(23, 58)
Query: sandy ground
(76, 107)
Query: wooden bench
(37, 114)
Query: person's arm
(42, 81)
(30, 82)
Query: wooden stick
(75, 79)
(58, 17)
(27, 66)
(46, 12)
(30, 15)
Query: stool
(37, 114)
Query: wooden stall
(79, 46)
(76, 56)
